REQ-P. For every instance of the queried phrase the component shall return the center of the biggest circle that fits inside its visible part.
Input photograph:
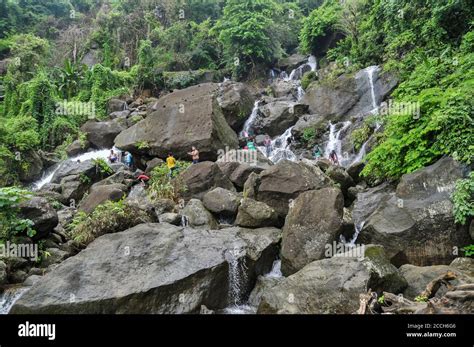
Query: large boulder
(102, 134)
(415, 223)
(203, 177)
(349, 95)
(291, 62)
(317, 123)
(32, 168)
(333, 286)
(255, 214)
(283, 182)
(197, 215)
(114, 105)
(282, 88)
(418, 278)
(184, 118)
(222, 202)
(277, 116)
(314, 221)
(153, 268)
(77, 147)
(238, 173)
(100, 194)
(72, 168)
(43, 215)
(236, 102)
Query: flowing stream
(9, 296)
(48, 174)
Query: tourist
(143, 179)
(317, 152)
(171, 163)
(194, 155)
(333, 157)
(268, 145)
(251, 145)
(129, 159)
(112, 157)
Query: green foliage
(245, 32)
(360, 136)
(421, 298)
(468, 251)
(319, 25)
(161, 186)
(110, 217)
(103, 167)
(309, 134)
(463, 199)
(308, 78)
(10, 223)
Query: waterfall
(280, 148)
(300, 94)
(237, 275)
(370, 75)
(9, 297)
(275, 272)
(184, 221)
(48, 175)
(249, 122)
(312, 62)
(334, 142)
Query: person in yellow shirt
(171, 163)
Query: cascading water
(48, 175)
(335, 140)
(275, 272)
(238, 282)
(251, 120)
(280, 148)
(370, 76)
(9, 297)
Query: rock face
(221, 202)
(102, 134)
(291, 62)
(115, 105)
(77, 147)
(284, 181)
(277, 116)
(255, 214)
(151, 268)
(203, 177)
(332, 285)
(237, 172)
(418, 278)
(349, 95)
(184, 118)
(313, 222)
(236, 102)
(39, 211)
(415, 223)
(100, 194)
(198, 216)
(34, 167)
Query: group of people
(171, 161)
(125, 157)
(318, 153)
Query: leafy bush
(10, 223)
(360, 136)
(307, 78)
(110, 217)
(163, 187)
(468, 251)
(463, 199)
(103, 167)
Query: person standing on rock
(128, 159)
(194, 155)
(251, 145)
(317, 152)
(268, 145)
(333, 157)
(171, 163)
(112, 157)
